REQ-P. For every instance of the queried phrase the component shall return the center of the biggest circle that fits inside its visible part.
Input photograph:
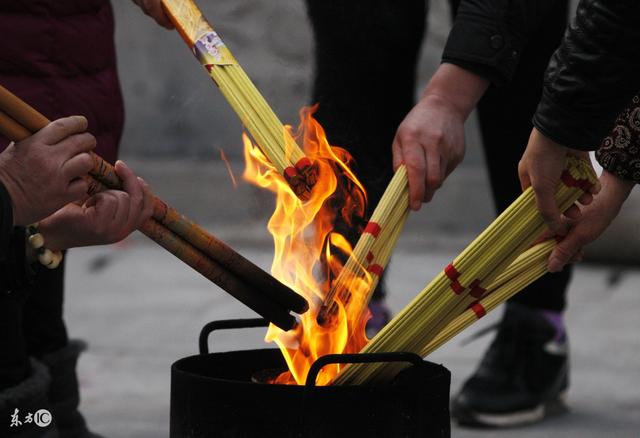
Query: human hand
(541, 168)
(106, 217)
(153, 8)
(43, 172)
(592, 221)
(430, 143)
(430, 140)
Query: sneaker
(522, 378)
(380, 316)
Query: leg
(524, 373)
(366, 56)
(505, 121)
(47, 341)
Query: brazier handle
(329, 359)
(226, 324)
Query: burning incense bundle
(183, 238)
(372, 252)
(262, 123)
(460, 285)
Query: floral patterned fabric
(619, 152)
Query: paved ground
(140, 309)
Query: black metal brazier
(213, 395)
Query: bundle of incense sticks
(183, 238)
(462, 283)
(259, 119)
(372, 251)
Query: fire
(309, 250)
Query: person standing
(59, 56)
(365, 66)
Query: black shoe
(64, 394)
(522, 378)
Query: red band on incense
(451, 272)
(478, 309)
(372, 228)
(476, 290)
(376, 269)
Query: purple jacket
(59, 56)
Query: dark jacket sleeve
(15, 270)
(593, 74)
(619, 152)
(488, 36)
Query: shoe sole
(550, 408)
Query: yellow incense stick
(255, 113)
(460, 284)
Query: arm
(484, 46)
(593, 74)
(488, 36)
(430, 140)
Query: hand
(43, 172)
(106, 217)
(430, 140)
(592, 222)
(541, 167)
(153, 8)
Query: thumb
(565, 251)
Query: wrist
(618, 188)
(457, 87)
(52, 235)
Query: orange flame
(309, 250)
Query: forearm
(457, 87)
(488, 36)
(593, 74)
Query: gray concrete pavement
(141, 309)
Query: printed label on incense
(210, 50)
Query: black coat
(15, 271)
(591, 77)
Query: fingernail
(555, 265)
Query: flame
(309, 250)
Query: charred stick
(189, 238)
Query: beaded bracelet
(50, 259)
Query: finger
(595, 188)
(564, 251)
(132, 186)
(76, 190)
(77, 166)
(585, 199)
(60, 129)
(573, 214)
(130, 183)
(396, 151)
(414, 159)
(523, 174)
(75, 144)
(148, 203)
(433, 178)
(547, 206)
